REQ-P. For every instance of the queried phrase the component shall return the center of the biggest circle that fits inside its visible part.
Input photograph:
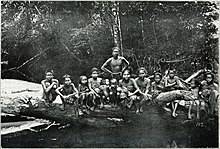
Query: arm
(177, 81)
(126, 64)
(59, 93)
(136, 87)
(76, 92)
(194, 76)
(47, 89)
(104, 66)
(90, 87)
(152, 87)
(168, 85)
(147, 87)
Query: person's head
(142, 72)
(113, 82)
(115, 52)
(194, 83)
(171, 73)
(126, 74)
(209, 77)
(49, 75)
(157, 77)
(83, 80)
(95, 73)
(67, 79)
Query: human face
(192, 84)
(126, 75)
(67, 81)
(115, 53)
(209, 78)
(84, 80)
(157, 78)
(171, 73)
(94, 74)
(49, 76)
(142, 74)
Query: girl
(83, 90)
(49, 85)
(129, 89)
(144, 85)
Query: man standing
(117, 64)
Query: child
(68, 93)
(194, 87)
(209, 93)
(157, 86)
(129, 89)
(114, 94)
(144, 85)
(95, 87)
(49, 85)
(84, 91)
(171, 83)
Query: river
(152, 129)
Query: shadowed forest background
(73, 37)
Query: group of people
(120, 90)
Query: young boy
(68, 93)
(95, 86)
(157, 86)
(209, 93)
(144, 85)
(49, 85)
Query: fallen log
(174, 95)
(24, 98)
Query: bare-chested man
(117, 64)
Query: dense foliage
(72, 37)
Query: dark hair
(197, 83)
(50, 71)
(115, 48)
(142, 68)
(95, 69)
(171, 70)
(126, 70)
(80, 79)
(159, 74)
(66, 76)
(209, 73)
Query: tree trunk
(116, 26)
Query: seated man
(49, 85)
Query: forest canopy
(74, 36)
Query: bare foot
(174, 115)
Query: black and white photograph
(109, 74)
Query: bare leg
(174, 110)
(189, 111)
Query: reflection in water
(153, 128)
